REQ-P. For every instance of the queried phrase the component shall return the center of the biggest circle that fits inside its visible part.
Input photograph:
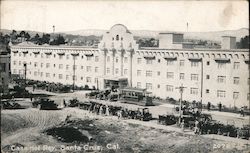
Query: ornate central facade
(210, 75)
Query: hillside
(95, 34)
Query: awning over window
(195, 59)
(89, 54)
(25, 52)
(224, 60)
(61, 53)
(15, 51)
(247, 61)
(75, 54)
(149, 57)
(170, 58)
(48, 53)
(36, 52)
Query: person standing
(220, 105)
(208, 106)
(196, 128)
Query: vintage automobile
(45, 104)
(8, 104)
(143, 114)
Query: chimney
(228, 42)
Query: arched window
(117, 37)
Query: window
(20, 62)
(60, 56)
(208, 62)
(221, 93)
(182, 76)
(97, 58)
(14, 62)
(221, 79)
(116, 71)
(138, 84)
(121, 39)
(89, 58)
(182, 62)
(67, 67)
(248, 96)
(96, 69)
(47, 65)
(82, 67)
(149, 61)
(194, 91)
(108, 70)
(139, 60)
(125, 71)
(35, 55)
(67, 56)
(60, 66)
(88, 79)
(236, 80)
(207, 76)
(54, 65)
(236, 65)
(148, 73)
(47, 56)
(81, 78)
(207, 90)
(41, 64)
(35, 73)
(170, 62)
(149, 86)
(60, 76)
(117, 37)
(108, 58)
(125, 59)
(54, 55)
(88, 68)
(158, 73)
(235, 95)
(35, 64)
(116, 60)
(74, 77)
(170, 75)
(159, 60)
(138, 72)
(41, 55)
(67, 77)
(54, 75)
(47, 75)
(194, 77)
(158, 86)
(96, 80)
(194, 64)
(169, 88)
(221, 65)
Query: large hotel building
(209, 75)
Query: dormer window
(117, 37)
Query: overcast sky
(136, 15)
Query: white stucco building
(210, 75)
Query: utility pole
(181, 89)
(25, 73)
(74, 72)
(201, 82)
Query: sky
(136, 15)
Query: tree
(244, 43)
(27, 36)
